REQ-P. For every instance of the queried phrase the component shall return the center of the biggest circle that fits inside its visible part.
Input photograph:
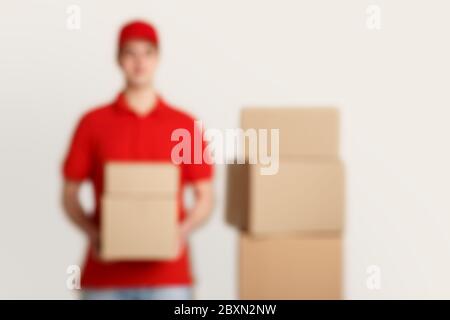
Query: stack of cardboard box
(291, 222)
(139, 211)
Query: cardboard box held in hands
(139, 219)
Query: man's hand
(94, 239)
(76, 214)
(183, 234)
(203, 191)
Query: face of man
(138, 60)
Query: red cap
(138, 30)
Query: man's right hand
(94, 240)
(75, 212)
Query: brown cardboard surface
(138, 228)
(237, 192)
(303, 131)
(139, 211)
(155, 178)
(294, 267)
(305, 195)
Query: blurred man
(137, 125)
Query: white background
(391, 86)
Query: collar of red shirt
(122, 105)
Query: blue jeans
(147, 293)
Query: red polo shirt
(115, 132)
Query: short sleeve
(77, 164)
(200, 166)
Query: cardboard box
(303, 131)
(138, 228)
(304, 196)
(290, 267)
(133, 178)
(139, 218)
